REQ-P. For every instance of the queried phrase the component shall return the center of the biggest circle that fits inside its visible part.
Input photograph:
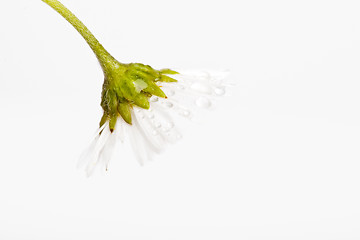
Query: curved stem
(103, 56)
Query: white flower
(152, 129)
(139, 103)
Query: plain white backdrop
(278, 159)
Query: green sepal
(148, 79)
(142, 101)
(168, 71)
(111, 102)
(112, 122)
(128, 90)
(165, 78)
(154, 89)
(103, 120)
(124, 110)
(145, 68)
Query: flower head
(152, 129)
(139, 102)
(128, 85)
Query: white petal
(107, 151)
(120, 129)
(137, 143)
(89, 152)
(93, 159)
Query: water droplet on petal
(168, 126)
(204, 75)
(219, 91)
(169, 104)
(185, 113)
(157, 125)
(203, 102)
(171, 124)
(170, 93)
(151, 115)
(154, 99)
(203, 88)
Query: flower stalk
(102, 55)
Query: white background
(278, 159)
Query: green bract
(125, 85)
(131, 84)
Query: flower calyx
(126, 85)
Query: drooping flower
(139, 102)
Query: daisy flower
(140, 103)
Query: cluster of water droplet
(160, 126)
(189, 94)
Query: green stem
(105, 59)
